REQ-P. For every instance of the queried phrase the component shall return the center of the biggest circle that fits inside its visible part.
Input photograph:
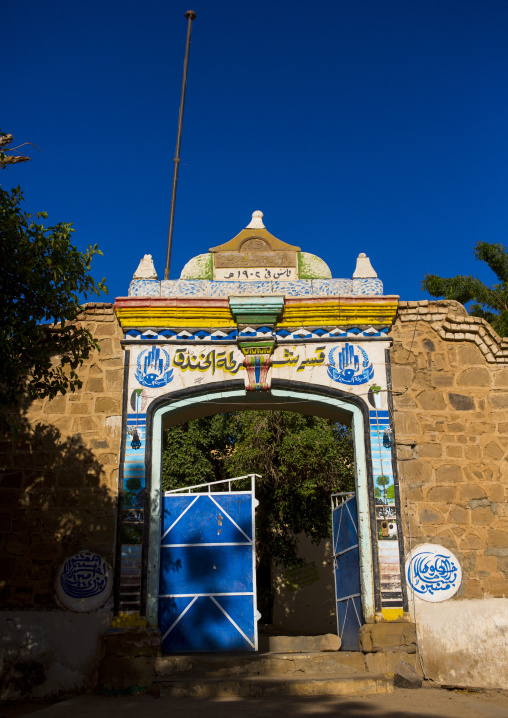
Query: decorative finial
(145, 269)
(364, 269)
(256, 221)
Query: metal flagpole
(190, 15)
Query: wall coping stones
(452, 322)
(93, 310)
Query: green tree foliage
(301, 459)
(196, 452)
(490, 302)
(43, 279)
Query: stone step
(120, 673)
(250, 686)
(132, 659)
(388, 636)
(298, 644)
(233, 665)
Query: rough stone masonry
(450, 380)
(59, 486)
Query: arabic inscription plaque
(255, 259)
(84, 582)
(255, 255)
(255, 274)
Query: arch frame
(288, 392)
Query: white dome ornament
(146, 269)
(364, 269)
(256, 221)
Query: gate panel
(346, 563)
(207, 596)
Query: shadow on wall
(305, 596)
(53, 504)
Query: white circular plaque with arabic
(433, 573)
(84, 582)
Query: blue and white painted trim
(282, 335)
(295, 288)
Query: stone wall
(451, 424)
(58, 485)
(450, 382)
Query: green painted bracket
(256, 310)
(266, 347)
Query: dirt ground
(423, 703)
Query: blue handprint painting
(153, 368)
(353, 367)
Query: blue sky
(377, 126)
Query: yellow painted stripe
(175, 317)
(301, 315)
(294, 315)
(128, 619)
(392, 614)
(348, 307)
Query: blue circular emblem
(84, 582)
(153, 367)
(433, 572)
(349, 364)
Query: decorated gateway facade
(257, 323)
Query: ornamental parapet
(296, 288)
(203, 316)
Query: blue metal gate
(346, 566)
(207, 585)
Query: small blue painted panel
(345, 533)
(206, 587)
(349, 616)
(206, 569)
(207, 518)
(203, 623)
(349, 572)
(346, 561)
(239, 510)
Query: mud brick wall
(450, 381)
(59, 478)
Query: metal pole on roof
(190, 15)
